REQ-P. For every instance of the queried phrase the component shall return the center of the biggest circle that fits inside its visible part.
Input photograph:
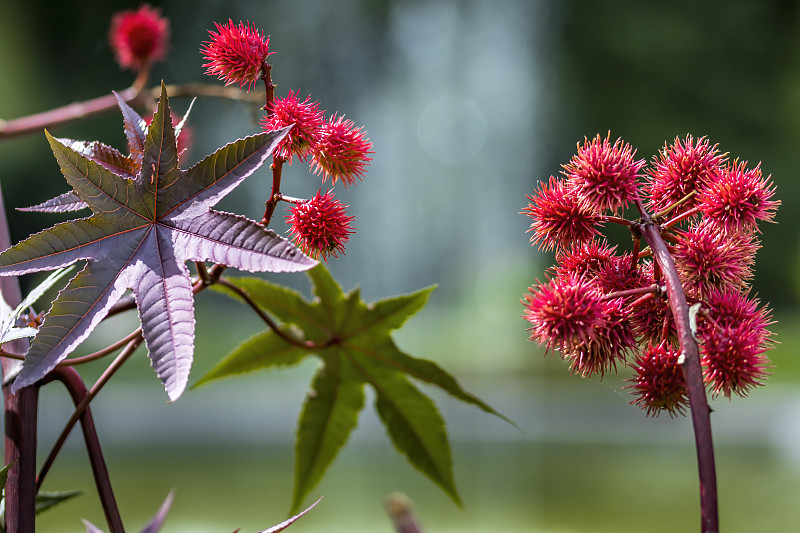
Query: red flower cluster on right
(601, 308)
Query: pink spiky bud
(139, 37)
(307, 119)
(236, 53)
(320, 226)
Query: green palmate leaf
(388, 353)
(4, 477)
(46, 500)
(43, 502)
(412, 421)
(286, 304)
(329, 416)
(263, 350)
(354, 341)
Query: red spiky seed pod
(739, 198)
(307, 118)
(658, 383)
(320, 226)
(139, 37)
(734, 336)
(586, 258)
(560, 219)
(236, 53)
(680, 169)
(342, 152)
(707, 258)
(564, 311)
(613, 340)
(605, 174)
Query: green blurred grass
(508, 487)
(784, 356)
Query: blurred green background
(468, 104)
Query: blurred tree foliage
(647, 71)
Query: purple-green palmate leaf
(354, 341)
(155, 524)
(126, 166)
(142, 231)
(286, 523)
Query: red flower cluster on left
(335, 146)
(600, 306)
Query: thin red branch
(20, 419)
(84, 403)
(680, 218)
(693, 374)
(64, 115)
(650, 289)
(72, 381)
(311, 345)
(132, 95)
(272, 203)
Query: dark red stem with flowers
(277, 162)
(692, 371)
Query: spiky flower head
(739, 198)
(603, 173)
(619, 274)
(707, 257)
(571, 315)
(320, 226)
(236, 53)
(306, 134)
(587, 258)
(139, 37)
(560, 219)
(564, 312)
(658, 383)
(734, 338)
(343, 151)
(612, 342)
(681, 168)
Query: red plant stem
(616, 220)
(20, 451)
(291, 199)
(76, 111)
(681, 217)
(20, 419)
(72, 381)
(272, 203)
(650, 289)
(102, 353)
(271, 323)
(84, 403)
(269, 87)
(693, 374)
(398, 507)
(71, 112)
(277, 162)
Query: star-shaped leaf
(145, 225)
(354, 341)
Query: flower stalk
(601, 307)
(693, 375)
